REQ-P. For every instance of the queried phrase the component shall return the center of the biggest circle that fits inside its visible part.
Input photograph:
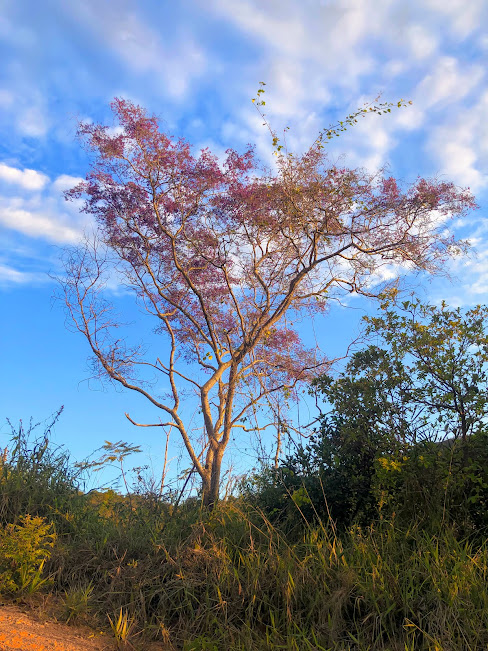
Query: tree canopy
(436, 357)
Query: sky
(197, 65)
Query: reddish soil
(26, 632)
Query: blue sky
(197, 64)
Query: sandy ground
(21, 630)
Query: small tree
(415, 406)
(402, 429)
(226, 256)
(436, 358)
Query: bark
(211, 484)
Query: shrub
(24, 549)
(434, 483)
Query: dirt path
(20, 630)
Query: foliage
(122, 629)
(224, 257)
(24, 550)
(36, 477)
(406, 431)
(231, 579)
(332, 476)
(436, 483)
(438, 358)
(76, 602)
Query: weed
(122, 629)
(76, 602)
(24, 549)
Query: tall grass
(230, 579)
(36, 477)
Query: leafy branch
(333, 130)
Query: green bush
(24, 549)
(437, 483)
(333, 477)
(353, 478)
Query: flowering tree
(225, 256)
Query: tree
(403, 428)
(225, 257)
(410, 415)
(363, 417)
(436, 357)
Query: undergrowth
(230, 579)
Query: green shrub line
(238, 577)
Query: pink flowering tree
(224, 257)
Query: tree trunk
(211, 485)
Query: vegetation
(405, 433)
(230, 579)
(372, 536)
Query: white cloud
(65, 182)
(32, 122)
(395, 67)
(313, 57)
(37, 223)
(473, 273)
(9, 275)
(282, 30)
(409, 118)
(41, 212)
(421, 41)
(24, 108)
(464, 16)
(377, 143)
(447, 82)
(459, 161)
(26, 178)
(173, 63)
(329, 35)
(460, 145)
